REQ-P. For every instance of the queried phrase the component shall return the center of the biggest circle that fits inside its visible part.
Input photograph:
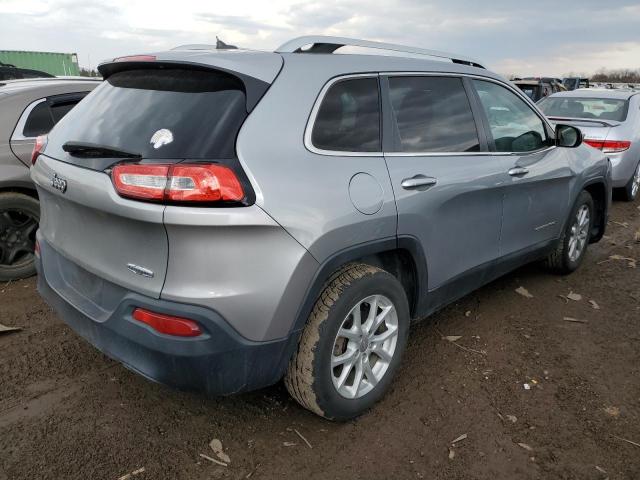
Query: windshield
(529, 90)
(160, 114)
(596, 108)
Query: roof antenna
(220, 45)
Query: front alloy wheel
(573, 243)
(579, 232)
(633, 187)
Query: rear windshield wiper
(84, 149)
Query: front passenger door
(537, 175)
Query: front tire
(572, 247)
(19, 217)
(630, 192)
(352, 344)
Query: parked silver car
(219, 220)
(610, 121)
(28, 108)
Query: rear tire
(19, 217)
(572, 247)
(343, 366)
(630, 192)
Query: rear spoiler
(254, 88)
(604, 123)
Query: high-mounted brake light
(177, 182)
(136, 58)
(609, 146)
(167, 324)
(38, 148)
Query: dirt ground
(68, 412)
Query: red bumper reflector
(167, 324)
(37, 248)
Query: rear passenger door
(447, 185)
(38, 119)
(537, 175)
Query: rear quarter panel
(305, 192)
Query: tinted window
(39, 121)
(203, 110)
(514, 125)
(60, 110)
(433, 114)
(349, 118)
(599, 108)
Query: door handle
(418, 182)
(517, 171)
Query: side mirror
(568, 136)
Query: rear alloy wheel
(352, 345)
(633, 187)
(573, 244)
(364, 346)
(19, 217)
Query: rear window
(529, 90)
(349, 117)
(596, 108)
(161, 114)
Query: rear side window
(433, 114)
(161, 114)
(60, 110)
(39, 121)
(49, 112)
(349, 117)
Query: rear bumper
(219, 362)
(623, 167)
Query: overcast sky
(532, 37)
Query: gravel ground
(68, 412)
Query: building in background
(58, 64)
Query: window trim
(382, 75)
(316, 108)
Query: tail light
(177, 183)
(167, 324)
(38, 148)
(609, 146)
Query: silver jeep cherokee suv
(218, 220)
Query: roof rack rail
(195, 46)
(327, 44)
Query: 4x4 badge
(59, 183)
(161, 137)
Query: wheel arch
(598, 191)
(29, 191)
(401, 256)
